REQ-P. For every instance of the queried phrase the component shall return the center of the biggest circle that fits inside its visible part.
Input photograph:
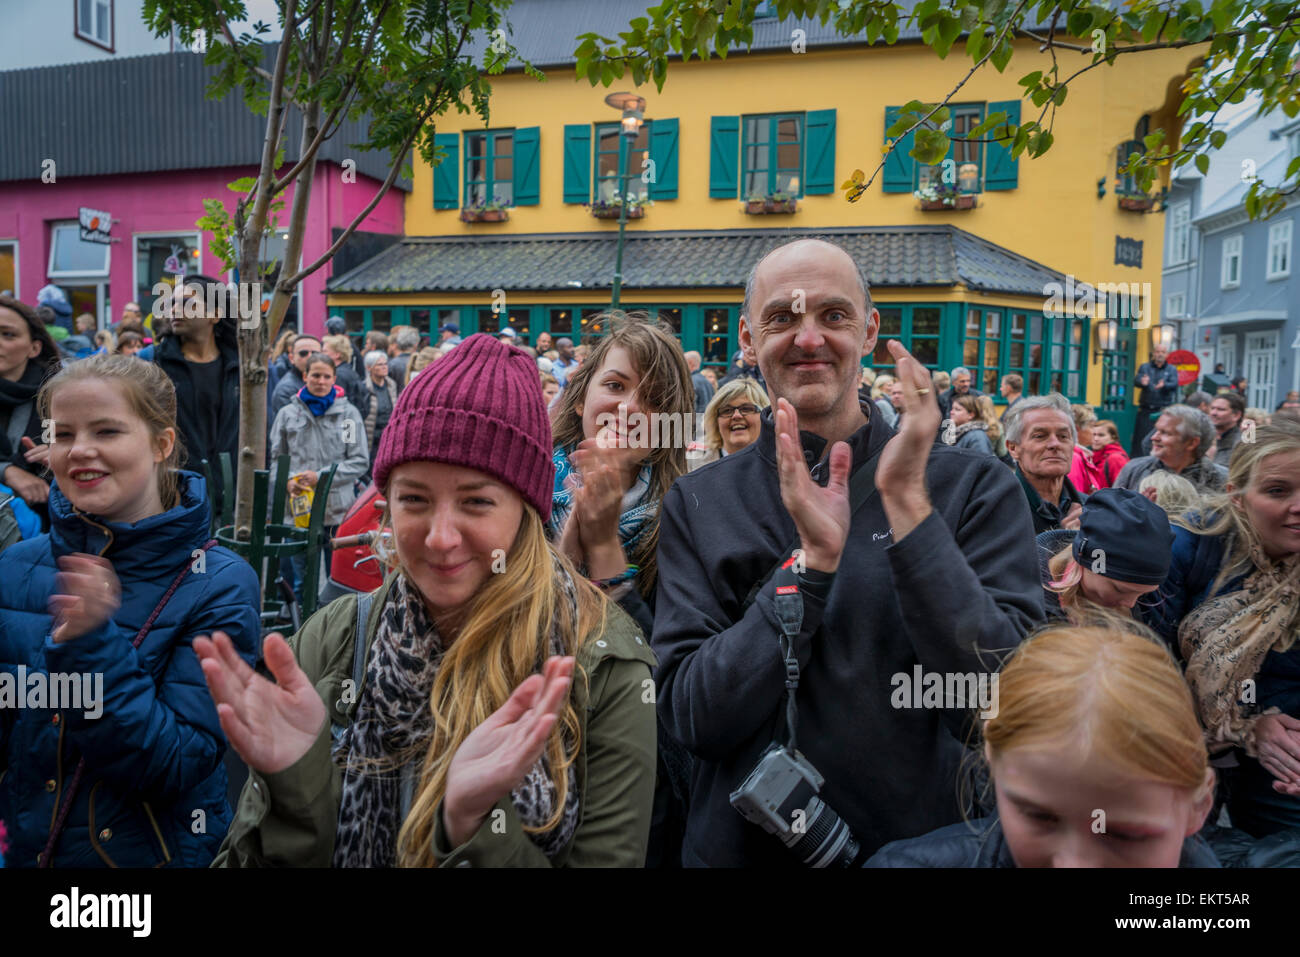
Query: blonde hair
(882, 382)
(421, 359)
(1174, 494)
(506, 637)
(989, 414)
(1113, 692)
(1258, 416)
(150, 395)
(665, 388)
(737, 387)
(942, 381)
(341, 343)
(1223, 511)
(1084, 416)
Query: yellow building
(959, 286)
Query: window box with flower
(612, 208)
(944, 196)
(778, 202)
(482, 211)
(1136, 202)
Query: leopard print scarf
(1225, 640)
(392, 727)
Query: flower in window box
(1135, 202)
(612, 208)
(778, 202)
(944, 196)
(485, 211)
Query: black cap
(1129, 532)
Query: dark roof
(145, 114)
(544, 31)
(891, 256)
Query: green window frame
(1047, 351)
(489, 167)
(607, 161)
(772, 154)
(918, 326)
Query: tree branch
(269, 148)
(328, 128)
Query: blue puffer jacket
(154, 788)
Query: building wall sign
(95, 224)
(1128, 252)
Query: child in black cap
(1120, 552)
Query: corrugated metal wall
(143, 114)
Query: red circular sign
(1188, 366)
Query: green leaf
(1002, 55)
(1031, 79)
(988, 123)
(931, 146)
(1079, 23)
(1203, 163)
(1218, 138)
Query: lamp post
(633, 108)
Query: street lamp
(633, 108)
(1107, 339)
(1162, 337)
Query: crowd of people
(859, 618)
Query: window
(1176, 306)
(163, 257)
(1126, 183)
(95, 22)
(69, 256)
(9, 269)
(1180, 234)
(916, 327)
(489, 167)
(1293, 142)
(772, 155)
(966, 158)
(1230, 270)
(610, 146)
(1279, 250)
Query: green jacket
(289, 819)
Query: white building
(54, 32)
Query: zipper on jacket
(103, 528)
(167, 857)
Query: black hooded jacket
(207, 424)
(961, 583)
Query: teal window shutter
(1001, 170)
(724, 151)
(577, 163)
(899, 174)
(527, 189)
(446, 175)
(663, 154)
(820, 152)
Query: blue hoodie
(154, 788)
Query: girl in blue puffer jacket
(110, 747)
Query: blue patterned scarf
(637, 509)
(317, 403)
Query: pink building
(95, 137)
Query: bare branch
(273, 117)
(330, 127)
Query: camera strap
(788, 603)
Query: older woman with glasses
(731, 419)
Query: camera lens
(825, 840)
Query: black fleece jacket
(964, 581)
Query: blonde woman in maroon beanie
(486, 705)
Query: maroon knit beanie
(481, 407)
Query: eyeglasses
(303, 352)
(728, 411)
